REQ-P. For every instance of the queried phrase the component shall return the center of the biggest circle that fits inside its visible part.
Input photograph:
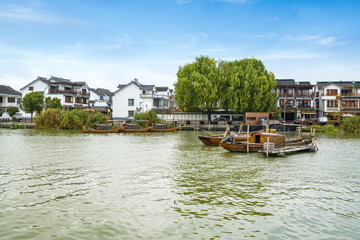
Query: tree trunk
(31, 117)
(209, 115)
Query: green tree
(32, 102)
(53, 103)
(12, 111)
(197, 85)
(246, 86)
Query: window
(130, 113)
(68, 99)
(11, 99)
(85, 100)
(251, 118)
(78, 100)
(101, 97)
(31, 88)
(331, 92)
(1, 99)
(131, 102)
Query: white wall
(120, 100)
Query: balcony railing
(72, 92)
(154, 96)
(296, 94)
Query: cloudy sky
(106, 43)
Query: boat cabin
(278, 139)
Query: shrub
(12, 111)
(323, 129)
(151, 116)
(74, 119)
(351, 124)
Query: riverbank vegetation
(351, 124)
(348, 125)
(68, 119)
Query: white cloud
(328, 41)
(31, 14)
(274, 19)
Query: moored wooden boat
(111, 130)
(133, 128)
(162, 128)
(215, 140)
(257, 140)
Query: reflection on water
(70, 185)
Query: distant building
(71, 94)
(100, 99)
(9, 98)
(135, 96)
(296, 98)
(337, 96)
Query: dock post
(247, 139)
(267, 149)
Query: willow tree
(197, 85)
(247, 86)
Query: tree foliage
(351, 124)
(12, 111)
(32, 102)
(246, 86)
(241, 85)
(150, 116)
(53, 103)
(197, 85)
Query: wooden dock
(281, 152)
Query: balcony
(296, 94)
(154, 96)
(72, 92)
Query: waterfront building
(296, 99)
(337, 96)
(71, 94)
(135, 96)
(100, 99)
(9, 98)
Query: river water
(71, 185)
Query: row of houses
(297, 99)
(301, 99)
(122, 103)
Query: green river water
(71, 185)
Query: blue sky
(106, 43)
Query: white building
(9, 98)
(71, 94)
(134, 96)
(339, 96)
(100, 99)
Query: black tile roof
(285, 81)
(105, 91)
(161, 89)
(9, 90)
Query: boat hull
(164, 130)
(113, 130)
(134, 130)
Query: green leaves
(241, 85)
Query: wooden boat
(112, 130)
(102, 128)
(215, 140)
(257, 140)
(155, 129)
(133, 128)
